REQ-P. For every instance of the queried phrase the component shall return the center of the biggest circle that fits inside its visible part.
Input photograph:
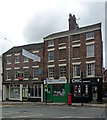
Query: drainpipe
(68, 58)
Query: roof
(18, 49)
(77, 30)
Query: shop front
(87, 90)
(57, 91)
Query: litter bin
(69, 99)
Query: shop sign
(57, 81)
(76, 80)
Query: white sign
(57, 81)
(30, 55)
(76, 80)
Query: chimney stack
(72, 22)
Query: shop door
(25, 93)
(94, 93)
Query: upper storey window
(17, 59)
(8, 59)
(51, 43)
(89, 35)
(50, 55)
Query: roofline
(73, 32)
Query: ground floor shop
(87, 90)
(56, 91)
(23, 92)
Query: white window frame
(25, 78)
(62, 71)
(91, 67)
(16, 59)
(25, 59)
(90, 35)
(90, 52)
(50, 43)
(18, 69)
(51, 72)
(34, 73)
(50, 56)
(75, 71)
(9, 62)
(7, 75)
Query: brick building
(71, 55)
(71, 62)
(31, 87)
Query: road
(31, 111)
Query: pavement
(55, 104)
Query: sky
(29, 21)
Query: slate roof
(89, 27)
(18, 49)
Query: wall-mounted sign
(56, 81)
(76, 80)
(20, 75)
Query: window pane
(62, 71)
(76, 52)
(16, 73)
(89, 35)
(16, 59)
(90, 50)
(50, 42)
(51, 55)
(51, 72)
(8, 74)
(90, 69)
(9, 59)
(76, 70)
(25, 72)
(35, 72)
(62, 54)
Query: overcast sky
(28, 21)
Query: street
(43, 111)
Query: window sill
(17, 62)
(25, 79)
(51, 61)
(8, 80)
(25, 61)
(8, 63)
(51, 78)
(62, 44)
(90, 56)
(75, 58)
(90, 76)
(35, 78)
(89, 38)
(76, 77)
(62, 78)
(16, 79)
(50, 45)
(62, 60)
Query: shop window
(62, 54)
(8, 74)
(34, 91)
(62, 71)
(50, 55)
(77, 90)
(90, 50)
(58, 90)
(76, 52)
(15, 92)
(91, 69)
(76, 70)
(8, 59)
(51, 72)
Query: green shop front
(56, 90)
